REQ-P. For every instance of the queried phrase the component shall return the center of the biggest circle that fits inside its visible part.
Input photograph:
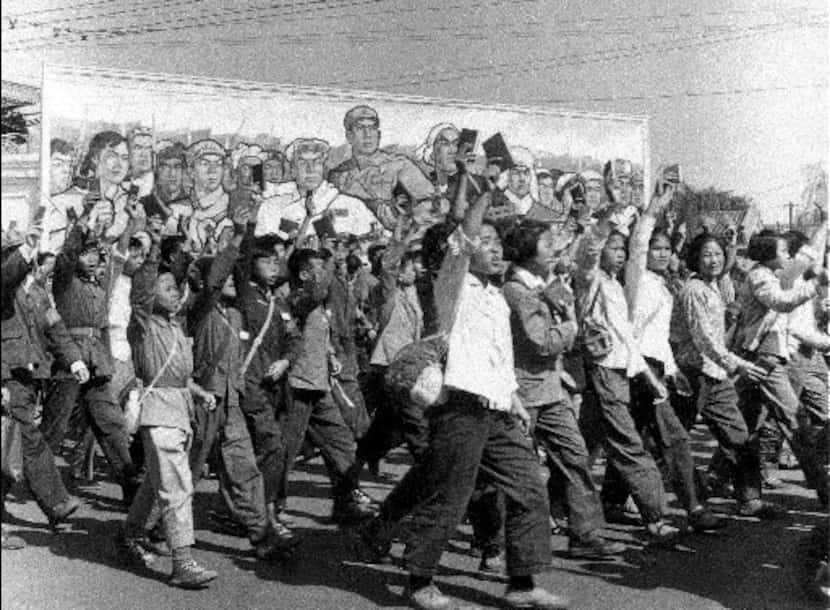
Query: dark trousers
(223, 433)
(355, 415)
(315, 413)
(774, 399)
(261, 406)
(95, 402)
(605, 418)
(808, 375)
(556, 429)
(664, 436)
(717, 404)
(39, 468)
(466, 440)
(396, 421)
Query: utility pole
(790, 207)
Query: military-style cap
(590, 175)
(360, 113)
(202, 148)
(305, 146)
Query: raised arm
(18, 264)
(221, 267)
(142, 293)
(66, 262)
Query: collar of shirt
(529, 279)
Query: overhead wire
(74, 8)
(265, 13)
(513, 68)
(276, 9)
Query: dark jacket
(82, 303)
(539, 339)
(31, 334)
(253, 303)
(218, 350)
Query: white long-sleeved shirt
(609, 308)
(480, 356)
(650, 302)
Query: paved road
(752, 565)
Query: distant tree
(12, 122)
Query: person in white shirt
(606, 417)
(809, 347)
(290, 201)
(650, 305)
(479, 431)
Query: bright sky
(736, 91)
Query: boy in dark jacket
(219, 353)
(311, 409)
(82, 301)
(29, 334)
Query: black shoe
(64, 510)
(378, 546)
(157, 547)
(703, 519)
(276, 547)
(615, 513)
(492, 564)
(190, 575)
(593, 546)
(717, 487)
(348, 511)
(132, 552)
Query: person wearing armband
(163, 361)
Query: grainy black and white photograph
(456, 304)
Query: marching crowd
(190, 305)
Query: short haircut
(696, 247)
(521, 240)
(264, 246)
(795, 241)
(300, 260)
(42, 257)
(169, 245)
(376, 258)
(61, 147)
(763, 247)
